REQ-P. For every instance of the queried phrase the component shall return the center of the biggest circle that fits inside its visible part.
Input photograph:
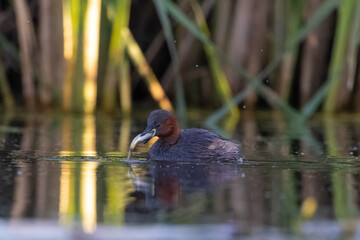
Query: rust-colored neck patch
(169, 130)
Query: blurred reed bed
(85, 56)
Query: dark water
(67, 177)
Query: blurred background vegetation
(300, 56)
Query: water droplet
(196, 65)
(261, 50)
(244, 106)
(355, 148)
(351, 153)
(28, 21)
(19, 172)
(302, 154)
(243, 175)
(174, 41)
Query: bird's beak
(142, 137)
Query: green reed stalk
(343, 33)
(293, 16)
(166, 25)
(69, 49)
(104, 43)
(117, 67)
(78, 9)
(220, 80)
(309, 109)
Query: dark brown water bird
(192, 144)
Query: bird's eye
(157, 125)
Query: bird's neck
(174, 131)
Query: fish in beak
(142, 137)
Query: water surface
(67, 177)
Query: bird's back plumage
(196, 144)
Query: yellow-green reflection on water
(88, 196)
(72, 170)
(119, 187)
(67, 193)
(84, 189)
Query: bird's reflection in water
(168, 186)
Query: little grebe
(189, 144)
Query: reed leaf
(219, 77)
(293, 24)
(256, 83)
(145, 70)
(343, 33)
(317, 99)
(166, 25)
(326, 8)
(177, 14)
(309, 109)
(117, 70)
(313, 104)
